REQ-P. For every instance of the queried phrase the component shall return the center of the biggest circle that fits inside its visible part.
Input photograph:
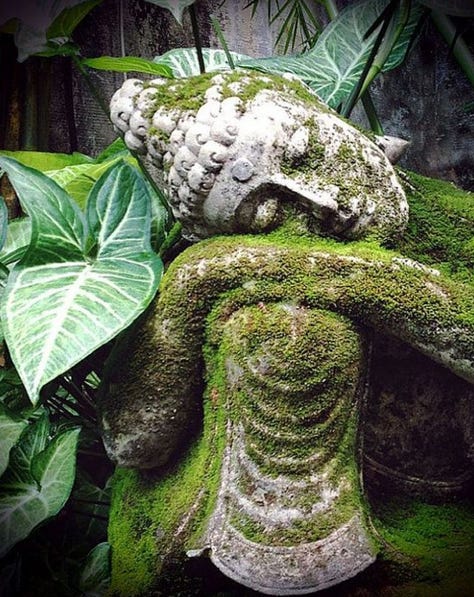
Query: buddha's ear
(417, 425)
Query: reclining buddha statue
(303, 347)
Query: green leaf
(127, 64)
(10, 431)
(17, 241)
(183, 62)
(95, 576)
(33, 441)
(72, 292)
(58, 227)
(176, 7)
(117, 147)
(23, 506)
(78, 180)
(44, 161)
(69, 19)
(333, 67)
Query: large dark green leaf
(69, 19)
(35, 18)
(33, 441)
(11, 429)
(74, 291)
(95, 576)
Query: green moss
(147, 511)
(435, 541)
(185, 94)
(441, 225)
(188, 94)
(305, 165)
(209, 282)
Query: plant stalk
(30, 126)
(393, 33)
(459, 47)
(331, 8)
(197, 38)
(220, 36)
(371, 112)
(362, 82)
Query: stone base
(295, 570)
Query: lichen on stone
(223, 144)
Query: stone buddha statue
(259, 393)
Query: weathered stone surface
(237, 315)
(413, 303)
(418, 425)
(226, 144)
(289, 518)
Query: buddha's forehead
(234, 144)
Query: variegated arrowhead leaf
(95, 576)
(333, 67)
(82, 280)
(183, 62)
(25, 505)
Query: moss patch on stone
(440, 230)
(434, 543)
(188, 94)
(360, 280)
(156, 516)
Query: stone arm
(150, 403)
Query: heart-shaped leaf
(333, 67)
(25, 505)
(95, 576)
(73, 291)
(33, 441)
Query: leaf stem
(197, 38)
(459, 47)
(371, 112)
(362, 82)
(220, 36)
(331, 9)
